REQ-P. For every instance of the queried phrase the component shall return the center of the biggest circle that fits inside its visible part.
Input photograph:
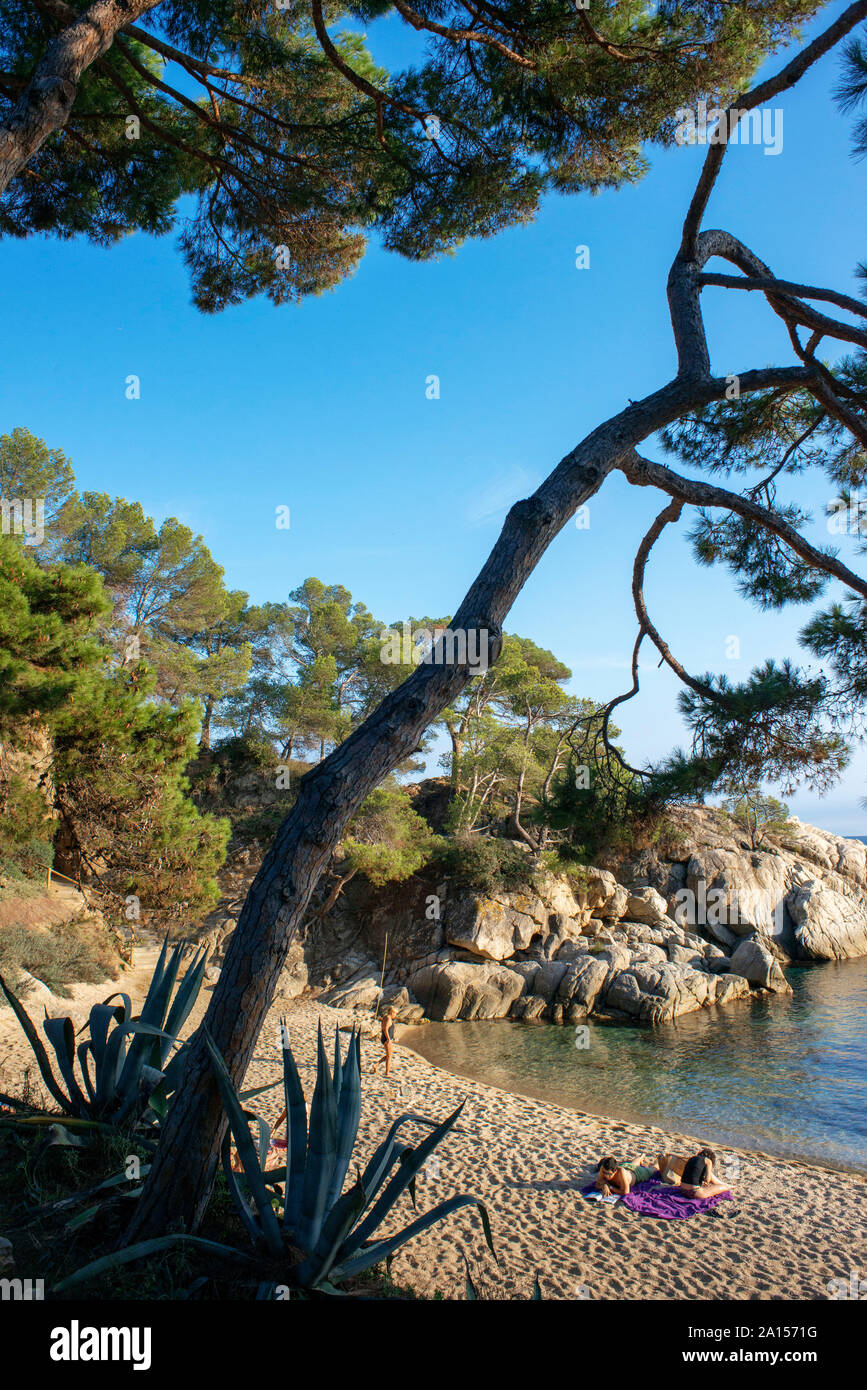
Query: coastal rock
(756, 963)
(616, 958)
(735, 894)
(548, 978)
(648, 906)
(660, 993)
(582, 983)
(491, 928)
(530, 1008)
(360, 994)
(829, 925)
(462, 990)
(832, 852)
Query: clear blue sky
(323, 407)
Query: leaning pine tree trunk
(178, 1186)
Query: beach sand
(791, 1229)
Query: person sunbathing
(618, 1179)
(694, 1176)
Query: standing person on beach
(386, 1033)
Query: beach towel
(655, 1198)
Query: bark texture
(46, 102)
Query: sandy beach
(791, 1229)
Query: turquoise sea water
(785, 1075)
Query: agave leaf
(257, 1091)
(246, 1209)
(61, 1034)
(139, 1251)
(246, 1150)
(153, 1012)
(388, 1153)
(339, 1221)
(82, 1218)
(373, 1254)
(39, 1052)
(409, 1166)
(127, 1004)
(321, 1153)
(109, 1071)
(188, 993)
(356, 1060)
(100, 1020)
(338, 1066)
(296, 1135)
(264, 1137)
(81, 1053)
(348, 1116)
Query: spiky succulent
(334, 1230)
(124, 1071)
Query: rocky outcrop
(829, 925)
(701, 923)
(757, 963)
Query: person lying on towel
(694, 1176)
(618, 1179)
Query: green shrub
(484, 863)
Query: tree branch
(46, 102)
(644, 473)
(781, 82)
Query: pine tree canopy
(267, 136)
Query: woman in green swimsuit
(618, 1179)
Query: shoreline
(662, 1124)
(792, 1228)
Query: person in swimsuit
(386, 1033)
(694, 1176)
(618, 1179)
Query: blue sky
(400, 498)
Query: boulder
(735, 894)
(756, 963)
(829, 925)
(684, 955)
(360, 994)
(646, 905)
(659, 993)
(581, 985)
(489, 928)
(410, 1014)
(616, 958)
(548, 977)
(648, 952)
(462, 990)
(529, 1008)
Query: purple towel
(653, 1198)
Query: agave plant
(123, 1064)
(334, 1230)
